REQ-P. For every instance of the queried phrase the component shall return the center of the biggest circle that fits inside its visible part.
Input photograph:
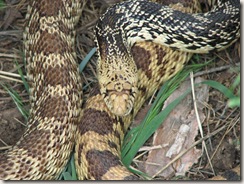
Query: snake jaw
(119, 98)
(120, 103)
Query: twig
(11, 32)
(198, 120)
(9, 55)
(12, 79)
(5, 148)
(149, 148)
(217, 69)
(11, 74)
(4, 142)
(23, 124)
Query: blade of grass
(234, 102)
(163, 94)
(67, 176)
(2, 5)
(22, 77)
(86, 59)
(73, 170)
(137, 172)
(236, 82)
(17, 100)
(69, 172)
(223, 89)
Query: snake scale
(139, 44)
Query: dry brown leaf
(177, 133)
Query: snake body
(55, 93)
(139, 43)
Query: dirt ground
(12, 123)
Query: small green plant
(17, 100)
(235, 101)
(15, 96)
(69, 172)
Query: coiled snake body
(139, 43)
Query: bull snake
(131, 33)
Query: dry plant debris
(177, 133)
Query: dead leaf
(178, 133)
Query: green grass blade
(234, 102)
(67, 176)
(223, 89)
(137, 172)
(86, 59)
(22, 77)
(17, 100)
(69, 172)
(73, 170)
(2, 5)
(236, 82)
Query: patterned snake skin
(55, 93)
(139, 43)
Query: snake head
(118, 85)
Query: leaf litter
(178, 133)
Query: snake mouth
(120, 103)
